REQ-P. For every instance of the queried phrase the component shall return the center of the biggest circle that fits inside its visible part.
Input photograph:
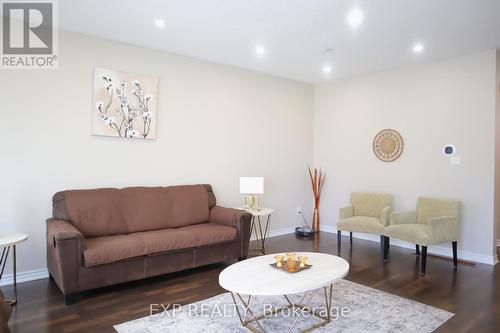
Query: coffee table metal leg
(328, 303)
(300, 314)
(328, 291)
(254, 318)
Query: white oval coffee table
(255, 277)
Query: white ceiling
(294, 33)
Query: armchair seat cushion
(364, 224)
(105, 250)
(414, 233)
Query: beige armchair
(435, 221)
(368, 213)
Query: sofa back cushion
(109, 211)
(165, 207)
(432, 207)
(96, 213)
(370, 204)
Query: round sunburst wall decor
(388, 145)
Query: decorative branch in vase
(317, 181)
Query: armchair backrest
(370, 204)
(432, 207)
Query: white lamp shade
(252, 185)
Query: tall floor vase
(315, 224)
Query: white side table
(8, 241)
(261, 231)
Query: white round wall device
(449, 150)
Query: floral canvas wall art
(125, 104)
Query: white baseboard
(277, 232)
(8, 279)
(437, 250)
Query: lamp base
(252, 208)
(251, 202)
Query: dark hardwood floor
(472, 292)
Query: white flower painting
(125, 104)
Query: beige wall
(215, 123)
(433, 104)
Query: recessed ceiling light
(355, 17)
(260, 51)
(327, 69)
(418, 48)
(160, 23)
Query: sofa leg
(350, 238)
(70, 299)
(242, 258)
(454, 247)
(424, 258)
(386, 248)
(417, 249)
(339, 241)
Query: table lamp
(250, 186)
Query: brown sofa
(102, 237)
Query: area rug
(356, 308)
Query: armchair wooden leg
(417, 249)
(350, 238)
(339, 241)
(382, 247)
(424, 258)
(454, 247)
(386, 248)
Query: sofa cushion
(109, 211)
(96, 212)
(364, 224)
(186, 237)
(370, 204)
(211, 233)
(103, 250)
(413, 233)
(154, 208)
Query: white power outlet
(299, 211)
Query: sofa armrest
(59, 230)
(346, 212)
(64, 254)
(403, 217)
(238, 219)
(229, 216)
(444, 228)
(385, 216)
